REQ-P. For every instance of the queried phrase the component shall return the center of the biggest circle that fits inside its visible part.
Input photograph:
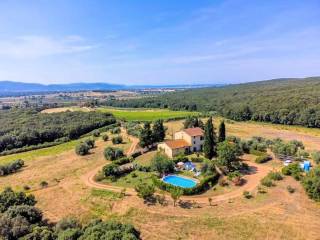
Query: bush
(10, 198)
(290, 189)
(311, 183)
(90, 143)
(256, 152)
(82, 149)
(117, 140)
(96, 133)
(263, 158)
(112, 154)
(316, 156)
(136, 154)
(44, 184)
(267, 182)
(247, 194)
(293, 170)
(122, 161)
(116, 130)
(276, 176)
(162, 164)
(105, 137)
(197, 159)
(145, 191)
(11, 167)
(111, 170)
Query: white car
(287, 162)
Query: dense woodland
(283, 101)
(26, 127)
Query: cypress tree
(209, 147)
(222, 132)
(146, 136)
(158, 131)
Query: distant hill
(12, 87)
(285, 101)
(7, 87)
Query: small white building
(185, 141)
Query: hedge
(201, 187)
(122, 161)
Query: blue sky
(158, 42)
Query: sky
(156, 42)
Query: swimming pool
(180, 181)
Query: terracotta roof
(175, 144)
(193, 132)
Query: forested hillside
(25, 127)
(284, 101)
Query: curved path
(252, 180)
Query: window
(201, 138)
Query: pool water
(180, 181)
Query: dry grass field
(276, 214)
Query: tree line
(285, 101)
(27, 127)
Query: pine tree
(209, 147)
(158, 131)
(222, 132)
(146, 137)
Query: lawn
(146, 114)
(132, 179)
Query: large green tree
(222, 132)
(228, 156)
(158, 131)
(146, 138)
(209, 147)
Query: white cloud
(32, 46)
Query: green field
(146, 114)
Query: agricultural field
(131, 114)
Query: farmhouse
(185, 141)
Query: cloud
(32, 46)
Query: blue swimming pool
(180, 181)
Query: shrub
(10, 198)
(145, 191)
(136, 154)
(116, 130)
(256, 152)
(96, 133)
(290, 189)
(117, 140)
(247, 194)
(11, 167)
(105, 137)
(122, 161)
(263, 158)
(293, 170)
(266, 181)
(311, 183)
(316, 156)
(112, 154)
(90, 143)
(43, 184)
(111, 170)
(197, 159)
(162, 164)
(82, 149)
(276, 176)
